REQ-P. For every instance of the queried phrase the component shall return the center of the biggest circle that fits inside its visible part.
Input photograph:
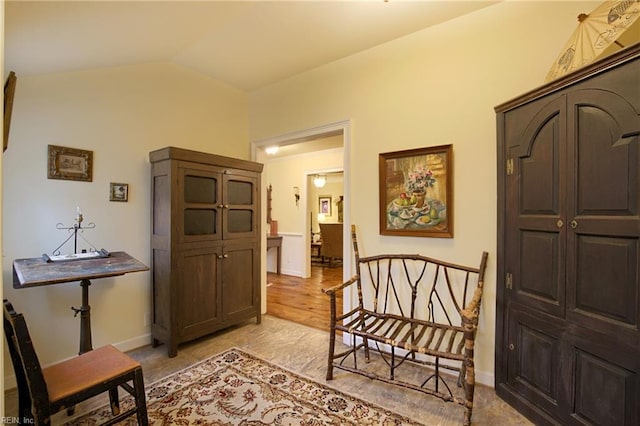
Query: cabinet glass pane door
(241, 207)
(200, 198)
(199, 189)
(240, 221)
(240, 192)
(199, 221)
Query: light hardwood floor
(301, 300)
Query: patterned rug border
(253, 356)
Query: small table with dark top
(276, 241)
(34, 272)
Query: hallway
(301, 299)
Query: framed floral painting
(416, 192)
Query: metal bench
(412, 309)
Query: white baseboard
(135, 343)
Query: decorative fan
(599, 34)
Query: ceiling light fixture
(319, 181)
(271, 150)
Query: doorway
(295, 220)
(325, 209)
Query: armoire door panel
(534, 359)
(539, 171)
(199, 301)
(604, 164)
(540, 281)
(239, 266)
(606, 296)
(537, 352)
(607, 158)
(605, 393)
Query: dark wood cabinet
(568, 302)
(205, 243)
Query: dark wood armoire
(205, 244)
(568, 297)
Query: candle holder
(74, 231)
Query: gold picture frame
(324, 205)
(119, 192)
(70, 163)
(416, 192)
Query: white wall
(437, 86)
(121, 114)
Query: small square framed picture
(119, 192)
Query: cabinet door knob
(219, 256)
(512, 346)
(221, 206)
(225, 255)
(559, 223)
(226, 206)
(574, 224)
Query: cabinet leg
(172, 350)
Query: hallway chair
(43, 392)
(331, 241)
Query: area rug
(238, 388)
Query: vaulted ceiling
(246, 44)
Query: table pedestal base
(85, 319)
